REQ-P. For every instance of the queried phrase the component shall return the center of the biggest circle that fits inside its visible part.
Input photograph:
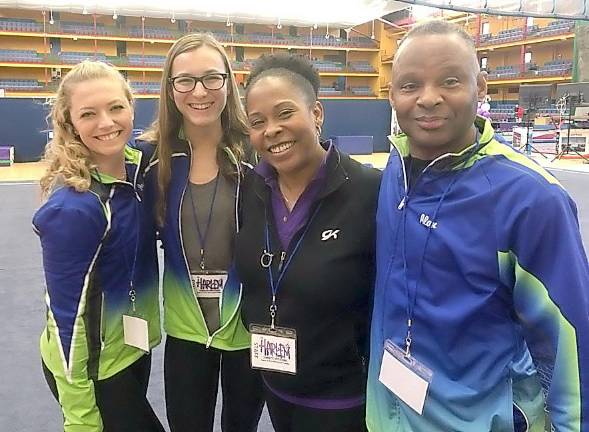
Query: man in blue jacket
(481, 273)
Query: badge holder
(405, 376)
(135, 328)
(208, 283)
(273, 349)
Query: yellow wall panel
(21, 13)
(80, 45)
(77, 18)
(20, 43)
(254, 53)
(23, 73)
(542, 53)
(140, 76)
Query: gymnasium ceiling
(335, 13)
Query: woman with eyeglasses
(200, 135)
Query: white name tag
(273, 349)
(208, 285)
(406, 377)
(135, 332)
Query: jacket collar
(182, 145)
(132, 162)
(461, 159)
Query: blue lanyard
(412, 293)
(203, 237)
(282, 266)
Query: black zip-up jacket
(326, 291)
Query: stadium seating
(20, 56)
(361, 66)
(515, 34)
(20, 25)
(20, 84)
(361, 91)
(73, 57)
(146, 60)
(145, 87)
(329, 91)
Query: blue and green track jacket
(183, 317)
(488, 245)
(94, 244)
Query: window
(486, 28)
(484, 62)
(528, 57)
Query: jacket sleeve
(71, 241)
(550, 288)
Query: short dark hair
(439, 27)
(298, 70)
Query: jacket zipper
(103, 302)
(238, 189)
(102, 324)
(210, 337)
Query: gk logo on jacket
(328, 234)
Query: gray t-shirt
(218, 247)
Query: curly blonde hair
(164, 130)
(67, 157)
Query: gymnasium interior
(535, 54)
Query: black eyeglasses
(187, 83)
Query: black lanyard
(282, 266)
(203, 238)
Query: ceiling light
(51, 21)
(85, 11)
(114, 15)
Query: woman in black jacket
(305, 254)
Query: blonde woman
(96, 233)
(200, 133)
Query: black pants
(121, 399)
(287, 417)
(191, 373)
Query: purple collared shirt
(289, 222)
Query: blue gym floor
(26, 404)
